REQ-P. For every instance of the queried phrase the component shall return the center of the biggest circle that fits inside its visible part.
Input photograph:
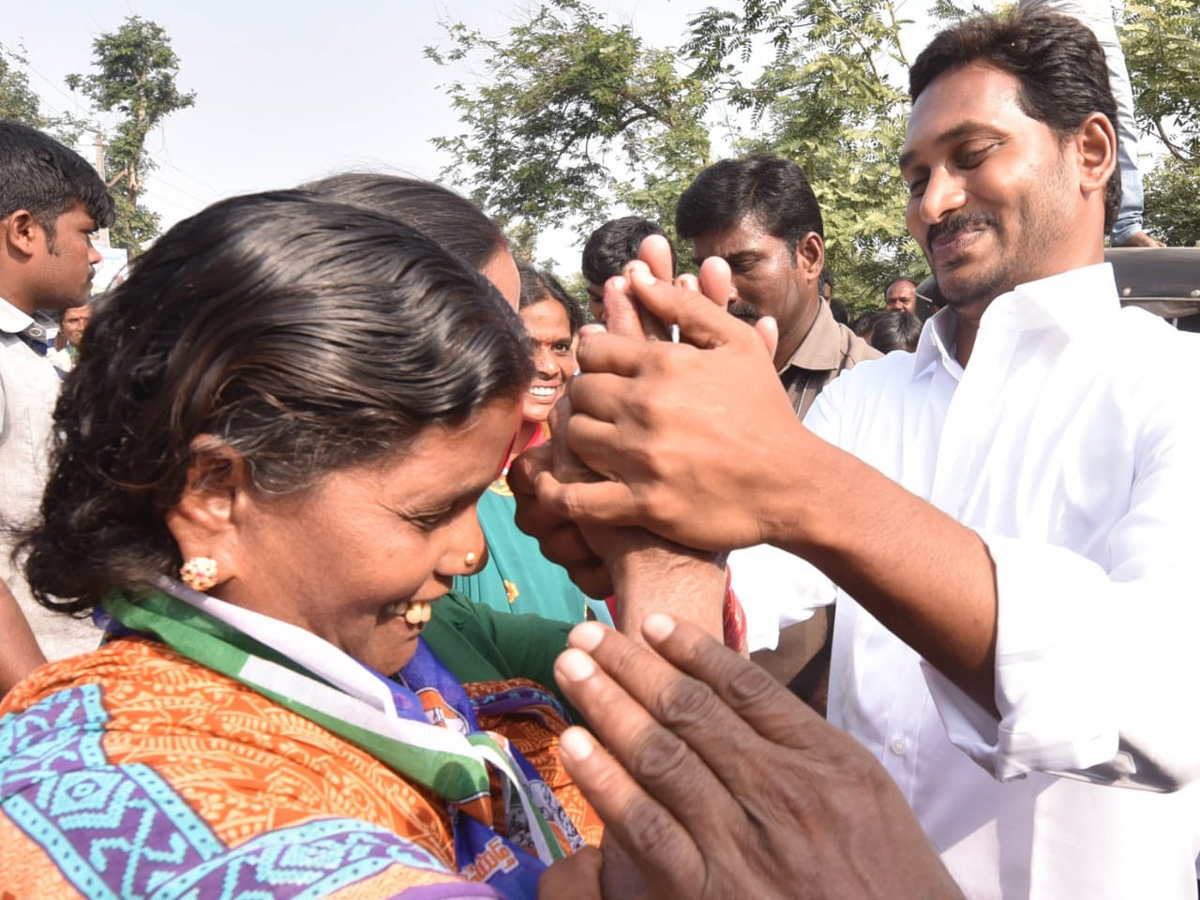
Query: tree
(19, 102)
(1161, 41)
(17, 99)
(570, 114)
(135, 78)
(832, 99)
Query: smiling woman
(294, 404)
(516, 577)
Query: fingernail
(575, 665)
(576, 743)
(640, 273)
(657, 627)
(586, 636)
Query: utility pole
(102, 235)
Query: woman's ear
(203, 521)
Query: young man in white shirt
(51, 201)
(1022, 656)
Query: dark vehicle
(1164, 281)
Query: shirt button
(899, 746)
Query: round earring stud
(470, 560)
(199, 573)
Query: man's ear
(22, 233)
(204, 521)
(1096, 146)
(810, 255)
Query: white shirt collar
(12, 320)
(1072, 302)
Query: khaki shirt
(827, 350)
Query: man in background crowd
(760, 215)
(901, 294)
(71, 325)
(51, 201)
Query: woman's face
(358, 559)
(553, 357)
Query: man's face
(991, 194)
(768, 279)
(901, 295)
(74, 321)
(66, 264)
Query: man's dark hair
(447, 218)
(40, 175)
(615, 244)
(896, 330)
(768, 189)
(537, 285)
(1056, 59)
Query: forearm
(21, 653)
(927, 578)
(651, 575)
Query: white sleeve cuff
(776, 590)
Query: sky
(286, 93)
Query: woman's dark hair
(537, 285)
(1056, 59)
(445, 217)
(769, 190)
(306, 335)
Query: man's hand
(685, 436)
(559, 538)
(717, 782)
(577, 877)
(562, 541)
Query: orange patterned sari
(134, 770)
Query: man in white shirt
(1021, 658)
(51, 201)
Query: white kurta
(1071, 444)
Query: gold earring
(199, 573)
(470, 560)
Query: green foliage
(570, 113)
(1173, 202)
(19, 102)
(1161, 41)
(832, 100)
(134, 77)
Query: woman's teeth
(414, 611)
(543, 393)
